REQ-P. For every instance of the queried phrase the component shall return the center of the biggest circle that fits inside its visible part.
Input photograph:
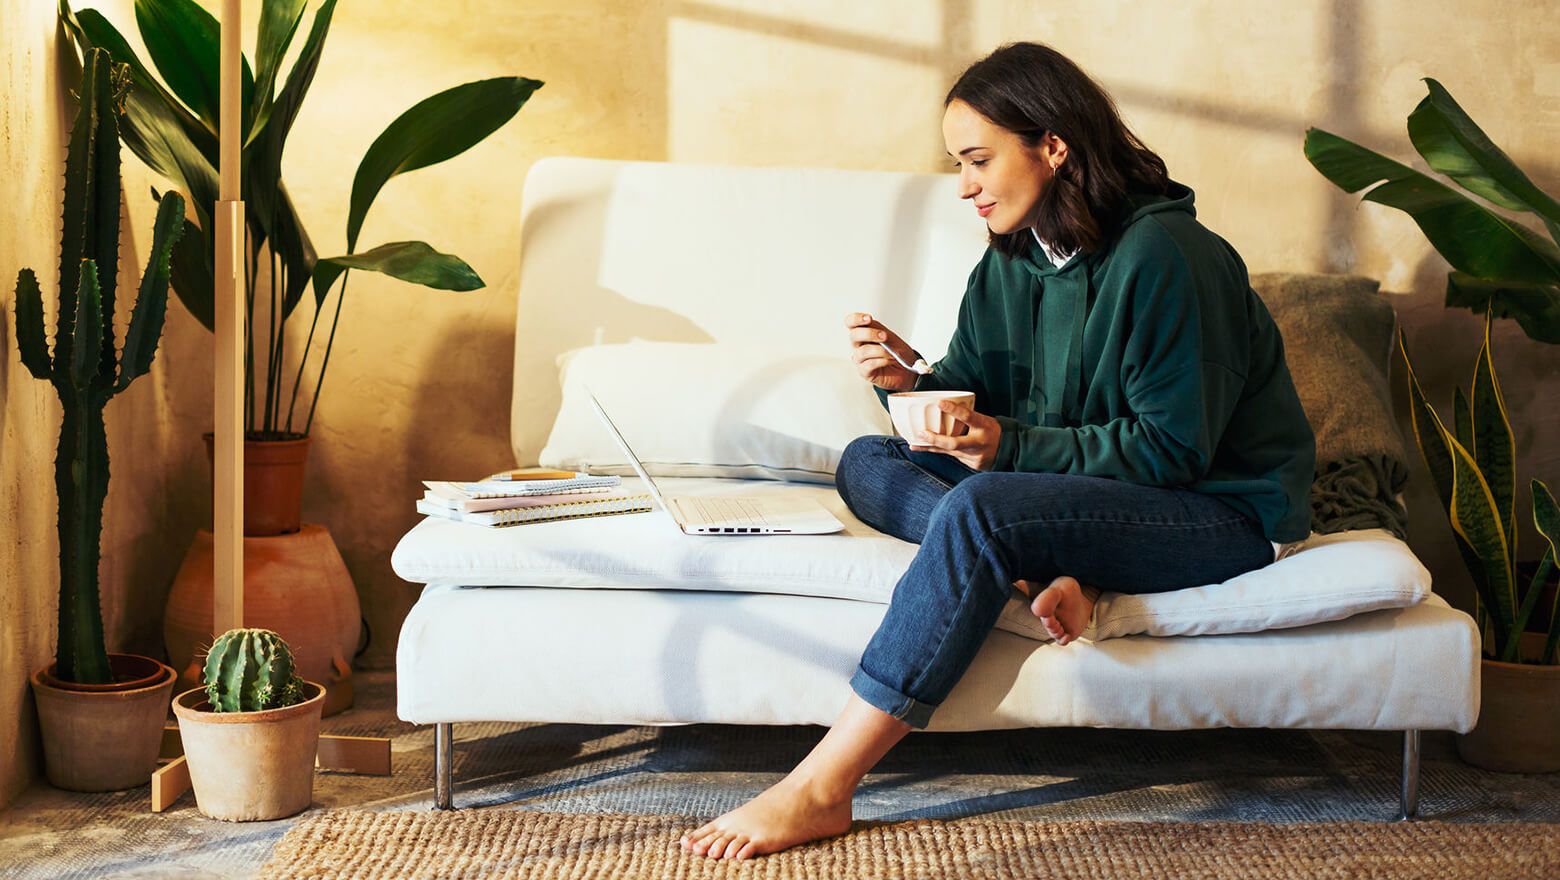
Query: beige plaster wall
(419, 380)
(150, 513)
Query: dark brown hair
(1031, 89)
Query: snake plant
(1500, 268)
(88, 366)
(172, 127)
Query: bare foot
(1064, 607)
(791, 812)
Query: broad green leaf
(1428, 432)
(285, 110)
(184, 42)
(151, 302)
(1475, 518)
(1495, 451)
(88, 342)
(437, 128)
(1454, 145)
(278, 22)
(412, 261)
(1546, 516)
(89, 28)
(31, 340)
(1469, 236)
(1535, 307)
(1462, 421)
(193, 275)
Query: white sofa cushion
(712, 410)
(656, 656)
(1330, 578)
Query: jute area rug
(516, 843)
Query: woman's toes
(746, 852)
(734, 847)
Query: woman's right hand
(867, 338)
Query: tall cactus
(248, 670)
(86, 367)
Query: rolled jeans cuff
(884, 698)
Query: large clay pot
(250, 765)
(273, 483)
(1519, 718)
(296, 585)
(104, 737)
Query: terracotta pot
(273, 483)
(1519, 719)
(250, 765)
(104, 737)
(296, 585)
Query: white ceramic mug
(916, 411)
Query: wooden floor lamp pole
(228, 462)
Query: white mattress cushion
(712, 410)
(659, 656)
(1330, 578)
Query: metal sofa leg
(444, 766)
(1410, 802)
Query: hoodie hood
(1063, 295)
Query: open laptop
(728, 514)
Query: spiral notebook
(573, 509)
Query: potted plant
(174, 130)
(251, 732)
(1500, 268)
(172, 126)
(102, 714)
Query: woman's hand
(867, 338)
(976, 447)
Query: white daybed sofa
(704, 306)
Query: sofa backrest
(614, 251)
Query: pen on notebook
(532, 474)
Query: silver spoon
(920, 367)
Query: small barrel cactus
(248, 670)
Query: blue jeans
(979, 532)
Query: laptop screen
(633, 459)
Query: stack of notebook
(516, 497)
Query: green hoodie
(1150, 361)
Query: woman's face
(998, 172)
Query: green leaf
(31, 339)
(1476, 519)
(1469, 236)
(151, 302)
(437, 128)
(1511, 652)
(412, 261)
(193, 276)
(278, 22)
(1428, 432)
(89, 328)
(1454, 145)
(1546, 516)
(1462, 421)
(90, 29)
(1535, 307)
(285, 110)
(1494, 450)
(184, 41)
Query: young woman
(1135, 428)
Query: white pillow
(1331, 577)
(714, 410)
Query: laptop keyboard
(725, 511)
